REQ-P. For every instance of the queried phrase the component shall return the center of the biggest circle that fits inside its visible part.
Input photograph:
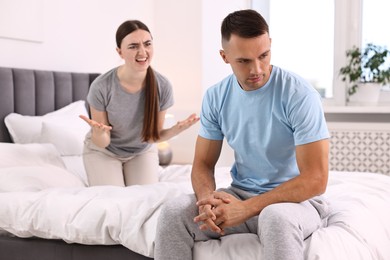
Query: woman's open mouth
(141, 60)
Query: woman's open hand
(96, 125)
(188, 122)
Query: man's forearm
(203, 181)
(296, 190)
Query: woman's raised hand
(189, 121)
(96, 125)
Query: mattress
(358, 227)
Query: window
(374, 22)
(374, 26)
(311, 37)
(302, 40)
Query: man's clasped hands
(219, 211)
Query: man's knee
(178, 209)
(277, 217)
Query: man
(274, 122)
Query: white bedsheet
(359, 226)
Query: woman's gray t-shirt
(125, 110)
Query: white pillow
(29, 155)
(63, 128)
(75, 165)
(36, 178)
(66, 135)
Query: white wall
(79, 36)
(187, 51)
(213, 12)
(178, 52)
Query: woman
(128, 106)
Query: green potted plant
(365, 66)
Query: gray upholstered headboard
(37, 92)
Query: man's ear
(223, 55)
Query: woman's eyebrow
(137, 44)
(133, 44)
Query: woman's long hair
(151, 107)
(150, 127)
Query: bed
(47, 210)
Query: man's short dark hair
(244, 23)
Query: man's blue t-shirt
(263, 126)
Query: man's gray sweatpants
(282, 227)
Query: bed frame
(34, 93)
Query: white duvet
(359, 226)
